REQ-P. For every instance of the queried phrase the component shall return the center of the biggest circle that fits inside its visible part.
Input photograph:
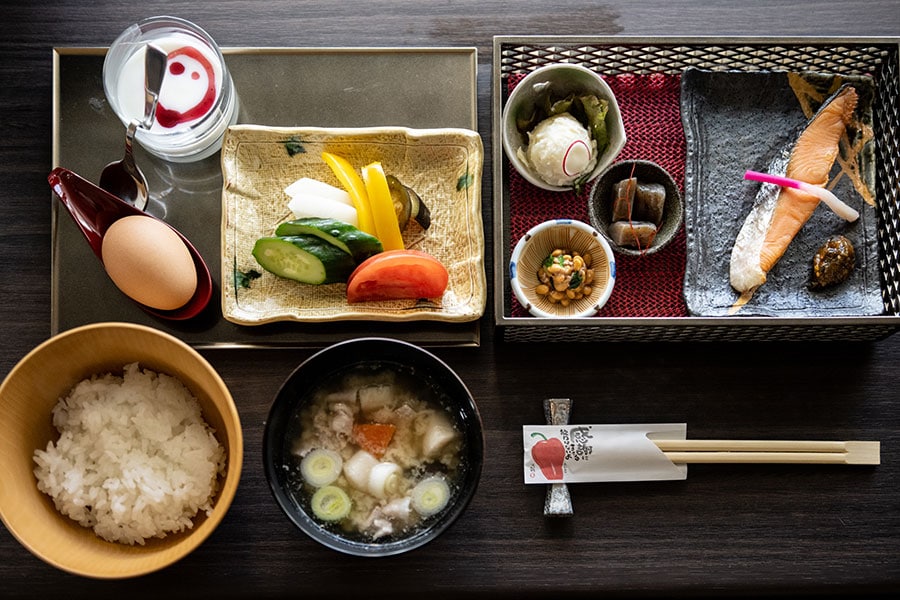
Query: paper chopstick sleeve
(598, 453)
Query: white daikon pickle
(308, 205)
(306, 186)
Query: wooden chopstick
(775, 451)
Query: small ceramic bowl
(601, 202)
(27, 396)
(538, 244)
(563, 79)
(331, 368)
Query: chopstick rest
(659, 451)
(558, 502)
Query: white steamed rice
(134, 460)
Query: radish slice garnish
(576, 158)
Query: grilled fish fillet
(779, 213)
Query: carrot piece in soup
(374, 437)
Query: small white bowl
(538, 243)
(564, 79)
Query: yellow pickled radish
(345, 173)
(386, 226)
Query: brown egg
(149, 262)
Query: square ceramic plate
(444, 166)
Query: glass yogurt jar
(197, 101)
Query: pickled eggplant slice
(408, 204)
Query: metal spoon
(123, 178)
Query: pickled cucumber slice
(358, 244)
(303, 258)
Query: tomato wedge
(396, 275)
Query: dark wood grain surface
(726, 530)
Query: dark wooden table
(726, 530)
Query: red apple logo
(549, 454)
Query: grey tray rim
(429, 334)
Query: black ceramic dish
(601, 201)
(735, 122)
(326, 365)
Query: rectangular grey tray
(328, 87)
(672, 55)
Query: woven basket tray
(645, 74)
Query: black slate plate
(736, 122)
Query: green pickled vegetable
(589, 109)
(303, 258)
(558, 107)
(358, 244)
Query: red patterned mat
(646, 286)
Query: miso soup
(375, 452)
